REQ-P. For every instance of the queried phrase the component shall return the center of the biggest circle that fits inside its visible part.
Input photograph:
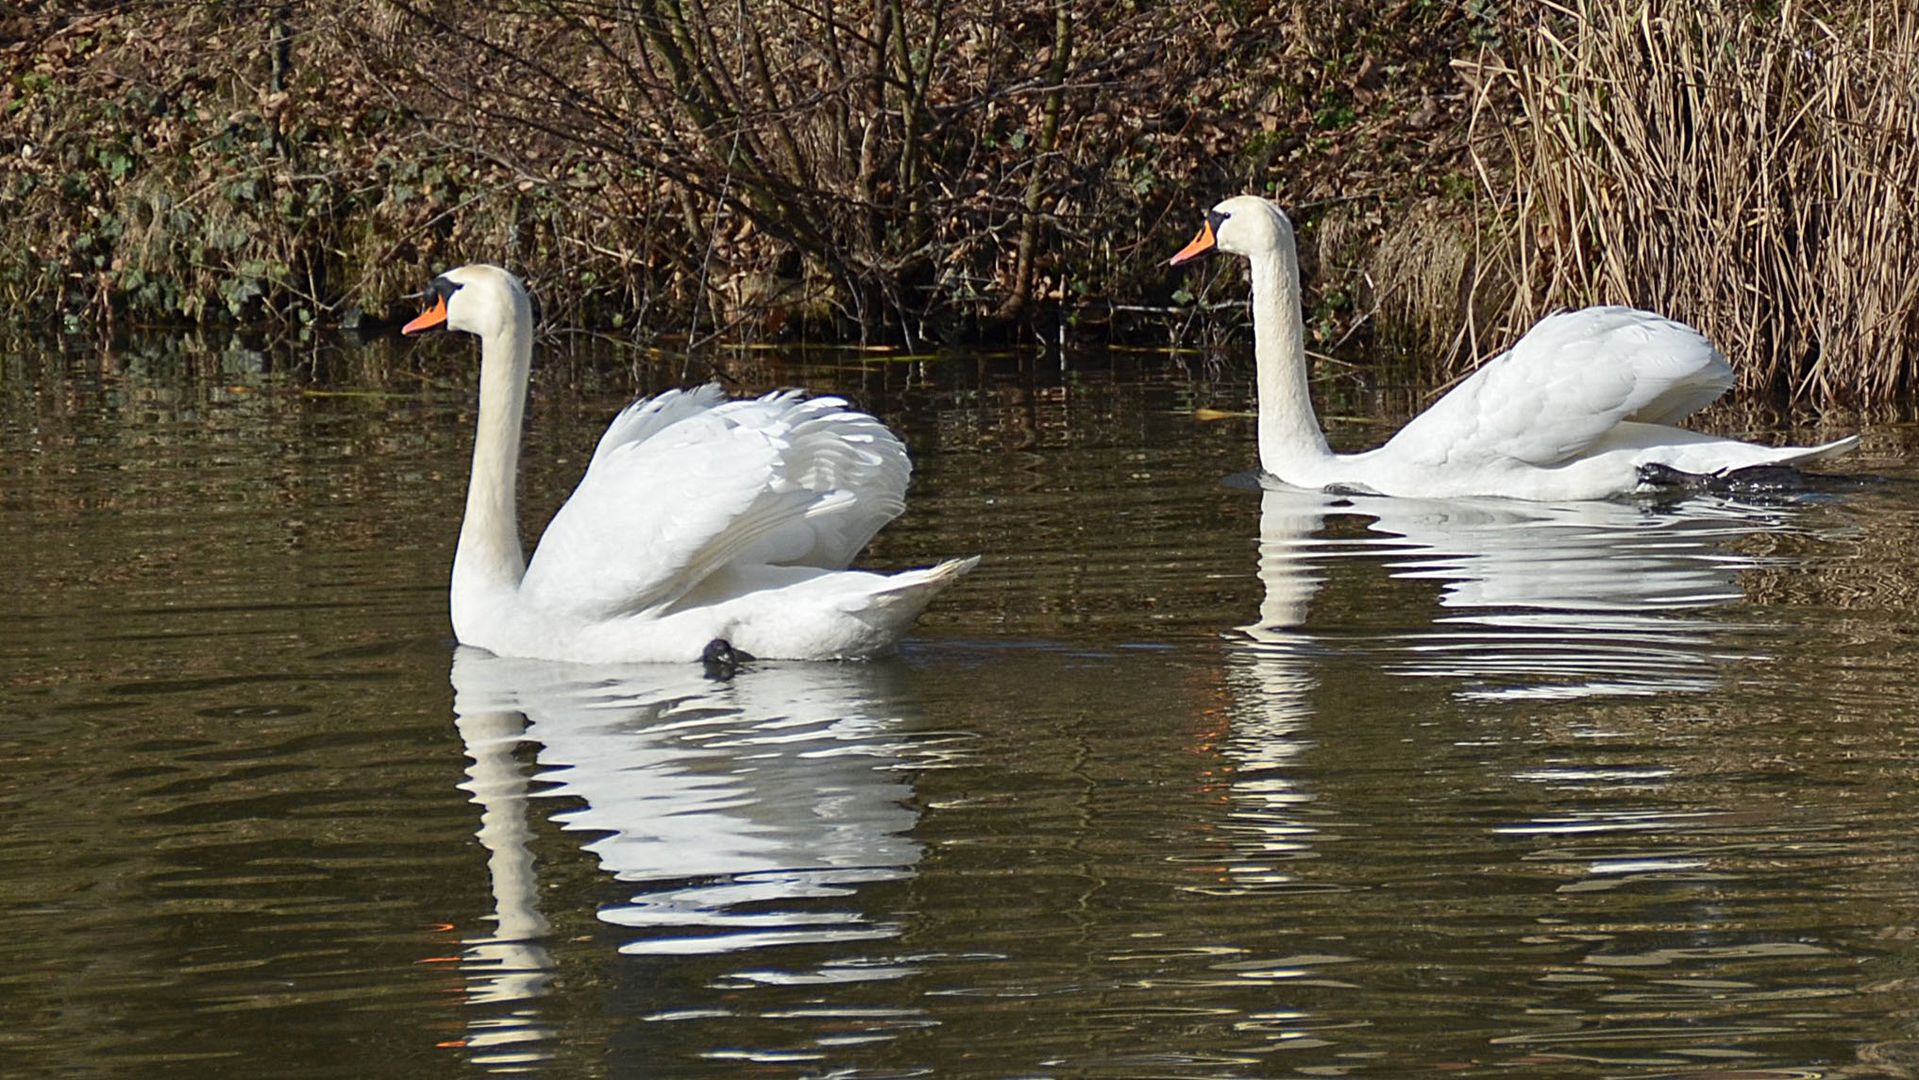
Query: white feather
(698, 519)
(1575, 410)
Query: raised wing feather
(646, 417)
(829, 447)
(686, 483)
(1574, 377)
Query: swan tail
(1700, 454)
(898, 602)
(899, 598)
(863, 620)
(1753, 469)
(1794, 456)
(924, 584)
(1803, 455)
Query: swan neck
(1289, 434)
(489, 555)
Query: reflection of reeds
(1799, 571)
(1747, 169)
(1858, 559)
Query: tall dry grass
(1750, 170)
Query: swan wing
(647, 417)
(828, 448)
(686, 483)
(1574, 377)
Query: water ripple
(752, 812)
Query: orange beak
(1201, 244)
(427, 320)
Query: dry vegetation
(920, 171)
(910, 170)
(1749, 169)
(902, 170)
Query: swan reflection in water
(1536, 602)
(1539, 600)
(749, 810)
(1546, 606)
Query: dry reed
(1749, 171)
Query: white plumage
(1573, 411)
(698, 519)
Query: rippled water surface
(1189, 779)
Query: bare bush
(893, 162)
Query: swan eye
(441, 287)
(1216, 218)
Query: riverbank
(913, 175)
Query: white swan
(699, 519)
(1581, 408)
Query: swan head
(478, 298)
(1242, 225)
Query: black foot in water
(1759, 480)
(721, 660)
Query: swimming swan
(1581, 408)
(698, 520)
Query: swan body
(1575, 410)
(699, 519)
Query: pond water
(1189, 779)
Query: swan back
(825, 445)
(1570, 381)
(687, 483)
